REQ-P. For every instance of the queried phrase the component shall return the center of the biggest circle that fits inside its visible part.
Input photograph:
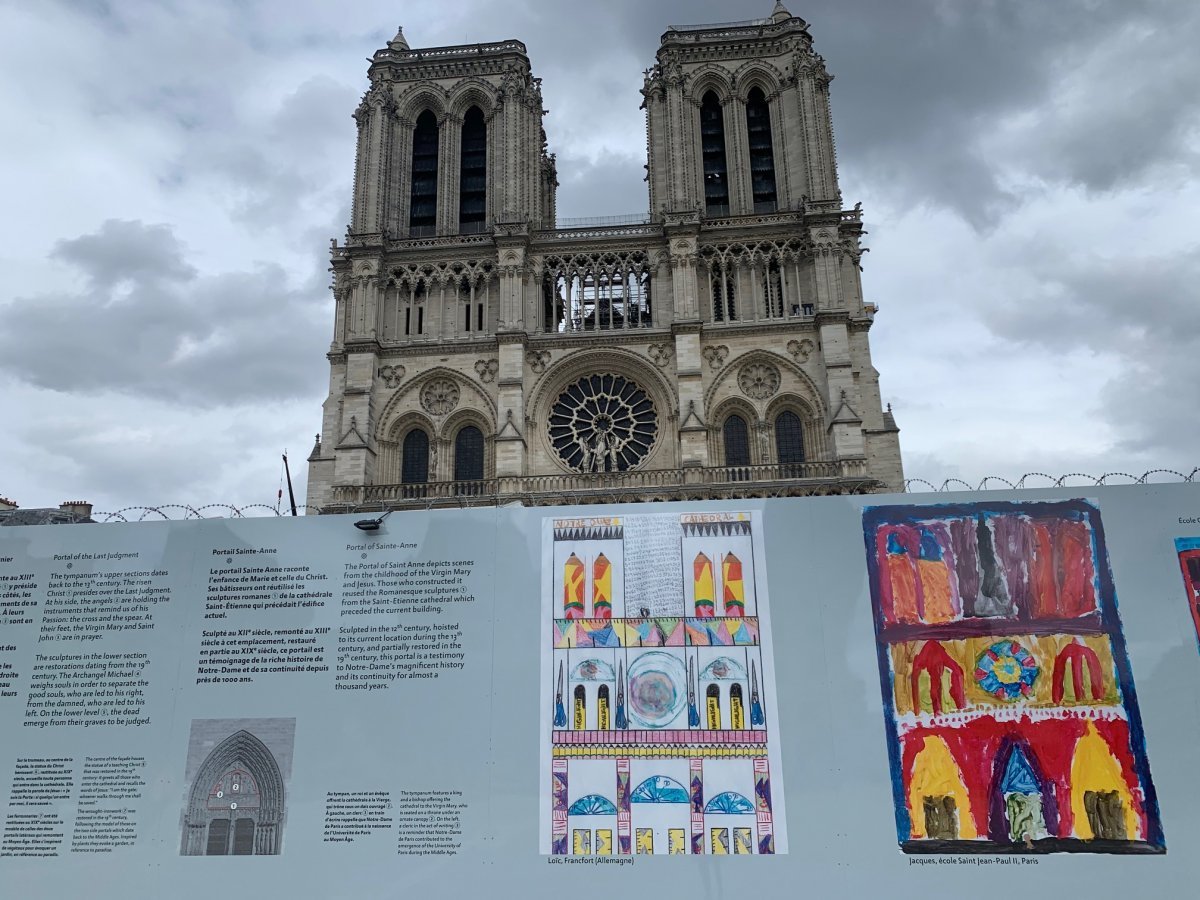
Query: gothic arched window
(472, 183)
(789, 438)
(712, 145)
(414, 468)
(468, 454)
(762, 158)
(736, 437)
(422, 211)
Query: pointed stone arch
(756, 73)
(412, 102)
(730, 406)
(406, 399)
(472, 92)
(807, 387)
(708, 77)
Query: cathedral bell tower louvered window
(712, 145)
(422, 213)
(472, 196)
(762, 158)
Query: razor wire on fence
(153, 513)
(1071, 479)
(1028, 481)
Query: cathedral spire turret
(398, 42)
(780, 12)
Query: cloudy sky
(172, 172)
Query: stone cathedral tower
(485, 352)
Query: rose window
(759, 380)
(603, 423)
(439, 396)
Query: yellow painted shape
(580, 715)
(966, 652)
(644, 842)
(604, 842)
(742, 842)
(936, 774)
(720, 841)
(676, 841)
(737, 717)
(1094, 768)
(581, 843)
(703, 585)
(601, 580)
(714, 713)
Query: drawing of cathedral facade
(658, 716)
(1012, 718)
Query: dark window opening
(724, 309)
(472, 191)
(243, 837)
(773, 290)
(422, 212)
(789, 439)
(712, 146)
(737, 441)
(941, 818)
(218, 838)
(415, 466)
(762, 157)
(420, 320)
(468, 454)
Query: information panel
(877, 694)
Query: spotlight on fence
(372, 524)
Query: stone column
(510, 444)
(693, 417)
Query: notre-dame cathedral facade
(717, 347)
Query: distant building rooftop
(73, 512)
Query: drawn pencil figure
(693, 713)
(560, 714)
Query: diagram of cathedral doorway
(237, 771)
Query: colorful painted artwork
(1012, 720)
(659, 719)
(1189, 563)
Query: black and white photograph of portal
(237, 771)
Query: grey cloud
(1142, 313)
(199, 340)
(126, 251)
(611, 186)
(276, 165)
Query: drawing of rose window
(1013, 723)
(658, 727)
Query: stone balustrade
(798, 479)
